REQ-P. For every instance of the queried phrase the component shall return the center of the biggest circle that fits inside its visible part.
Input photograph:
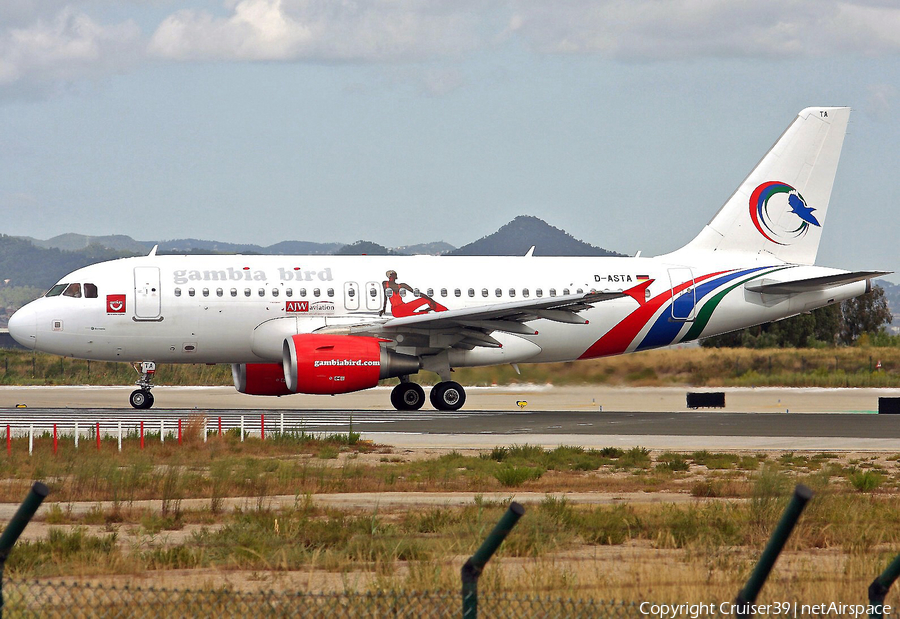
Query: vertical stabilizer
(780, 208)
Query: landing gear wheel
(408, 397)
(448, 396)
(141, 398)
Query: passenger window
(416, 292)
(402, 292)
(350, 293)
(389, 293)
(90, 291)
(443, 292)
(219, 292)
(484, 292)
(457, 292)
(430, 292)
(525, 292)
(191, 292)
(56, 290)
(565, 292)
(303, 292)
(331, 292)
(471, 292)
(234, 292)
(538, 293)
(580, 291)
(206, 292)
(317, 292)
(73, 290)
(372, 293)
(274, 292)
(289, 292)
(178, 292)
(247, 292)
(498, 293)
(512, 292)
(262, 292)
(553, 292)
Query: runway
(754, 419)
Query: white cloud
(681, 29)
(343, 30)
(65, 47)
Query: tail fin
(780, 208)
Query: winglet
(639, 292)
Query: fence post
(205, 429)
(8, 441)
(220, 427)
(98, 436)
(120, 436)
(55, 444)
(242, 428)
(162, 430)
(281, 424)
(473, 567)
(142, 435)
(30, 438)
(747, 595)
(878, 590)
(179, 430)
(17, 524)
(76, 435)
(262, 427)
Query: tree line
(841, 324)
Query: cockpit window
(90, 291)
(56, 290)
(74, 290)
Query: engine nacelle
(259, 378)
(330, 364)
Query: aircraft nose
(23, 326)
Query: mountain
(366, 248)
(76, 242)
(427, 249)
(25, 264)
(525, 231)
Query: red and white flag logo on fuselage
(115, 304)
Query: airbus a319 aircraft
(336, 324)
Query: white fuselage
(239, 309)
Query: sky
(627, 123)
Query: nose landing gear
(142, 398)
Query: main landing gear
(142, 398)
(445, 396)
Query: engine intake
(330, 364)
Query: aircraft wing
(811, 284)
(471, 326)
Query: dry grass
(714, 367)
(691, 550)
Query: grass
(825, 367)
(664, 550)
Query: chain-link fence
(73, 599)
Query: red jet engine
(330, 364)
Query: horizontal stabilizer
(814, 283)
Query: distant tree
(864, 314)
